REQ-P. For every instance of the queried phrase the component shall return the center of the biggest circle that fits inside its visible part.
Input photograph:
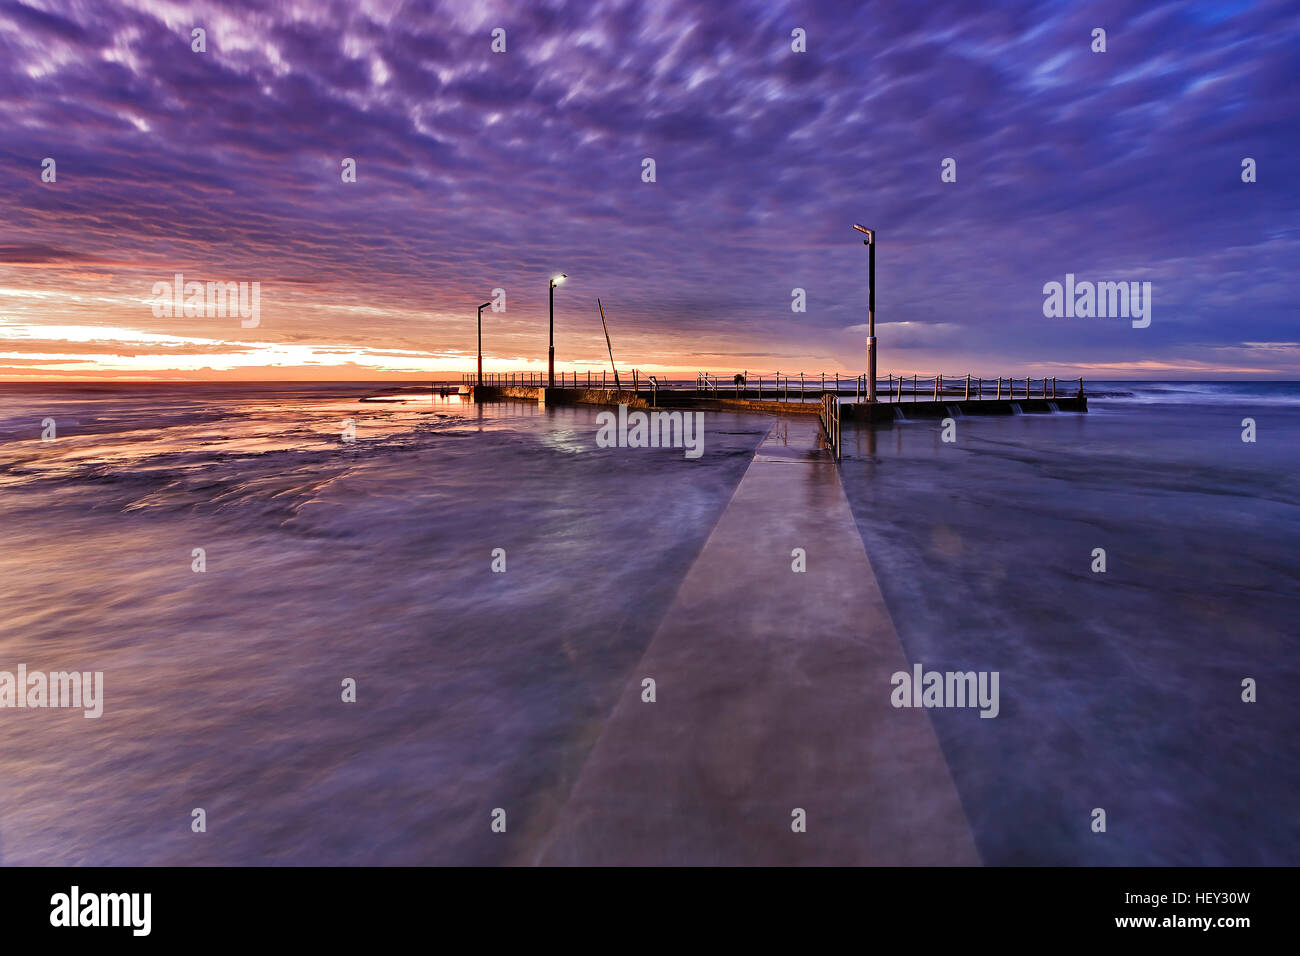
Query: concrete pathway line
(772, 694)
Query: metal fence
(830, 418)
(801, 387)
(631, 380)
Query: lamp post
(550, 360)
(480, 343)
(870, 243)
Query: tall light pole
(550, 361)
(870, 243)
(480, 342)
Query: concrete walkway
(773, 694)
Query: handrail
(893, 388)
(830, 419)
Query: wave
(1195, 393)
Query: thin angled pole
(605, 326)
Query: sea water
(1120, 690)
(324, 560)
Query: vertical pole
(480, 345)
(550, 356)
(968, 385)
(871, 319)
(913, 386)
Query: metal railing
(802, 387)
(830, 419)
(968, 388)
(531, 379)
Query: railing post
(1053, 386)
(801, 386)
(938, 380)
(968, 386)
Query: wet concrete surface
(772, 696)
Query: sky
(773, 127)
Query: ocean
(1121, 690)
(371, 559)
